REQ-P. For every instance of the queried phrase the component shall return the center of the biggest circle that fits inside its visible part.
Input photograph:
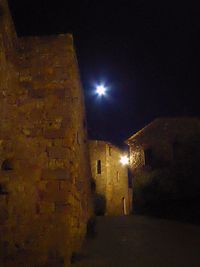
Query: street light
(124, 160)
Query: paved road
(139, 241)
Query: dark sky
(146, 52)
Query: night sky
(146, 52)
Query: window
(3, 190)
(98, 167)
(7, 165)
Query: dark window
(7, 165)
(98, 166)
(110, 150)
(3, 190)
(148, 156)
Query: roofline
(102, 141)
(127, 141)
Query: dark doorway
(124, 208)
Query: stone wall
(112, 181)
(165, 139)
(45, 175)
(164, 160)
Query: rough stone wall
(45, 176)
(137, 159)
(98, 152)
(161, 137)
(167, 184)
(112, 182)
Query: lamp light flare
(101, 90)
(124, 160)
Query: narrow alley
(141, 241)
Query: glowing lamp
(124, 160)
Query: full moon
(101, 90)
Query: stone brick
(46, 207)
(53, 191)
(60, 93)
(37, 93)
(59, 174)
(54, 133)
(63, 207)
(3, 215)
(57, 152)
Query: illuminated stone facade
(45, 174)
(110, 178)
(164, 141)
(164, 161)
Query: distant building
(112, 193)
(165, 141)
(164, 162)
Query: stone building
(164, 161)
(113, 195)
(45, 175)
(164, 141)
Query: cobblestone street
(141, 242)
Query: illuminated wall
(110, 176)
(164, 161)
(45, 174)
